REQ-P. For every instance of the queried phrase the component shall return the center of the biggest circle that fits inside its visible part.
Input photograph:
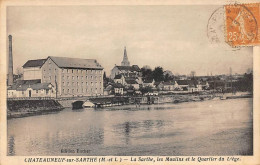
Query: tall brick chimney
(10, 63)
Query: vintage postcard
(130, 82)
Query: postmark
(215, 27)
(242, 24)
(216, 30)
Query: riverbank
(23, 108)
(162, 99)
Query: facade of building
(168, 86)
(70, 76)
(119, 89)
(148, 83)
(120, 79)
(32, 69)
(31, 90)
(127, 71)
(184, 85)
(133, 83)
(108, 90)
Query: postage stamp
(242, 24)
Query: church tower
(125, 61)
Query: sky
(173, 37)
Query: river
(215, 127)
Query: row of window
(82, 83)
(37, 91)
(49, 77)
(50, 69)
(80, 71)
(77, 77)
(82, 77)
(75, 71)
(82, 90)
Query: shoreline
(21, 114)
(162, 99)
(25, 108)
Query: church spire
(125, 61)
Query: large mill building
(70, 76)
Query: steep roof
(22, 82)
(168, 83)
(34, 63)
(187, 82)
(129, 68)
(136, 67)
(119, 76)
(66, 62)
(131, 78)
(131, 81)
(183, 82)
(108, 88)
(118, 85)
(157, 83)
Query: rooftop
(129, 68)
(168, 83)
(108, 88)
(119, 76)
(118, 85)
(66, 62)
(131, 81)
(186, 82)
(22, 82)
(34, 63)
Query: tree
(244, 84)
(104, 76)
(106, 80)
(147, 73)
(158, 74)
(146, 89)
(168, 77)
(130, 90)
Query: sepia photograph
(128, 80)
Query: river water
(215, 127)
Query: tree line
(157, 74)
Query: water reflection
(166, 129)
(130, 129)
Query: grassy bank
(22, 108)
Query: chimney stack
(10, 63)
